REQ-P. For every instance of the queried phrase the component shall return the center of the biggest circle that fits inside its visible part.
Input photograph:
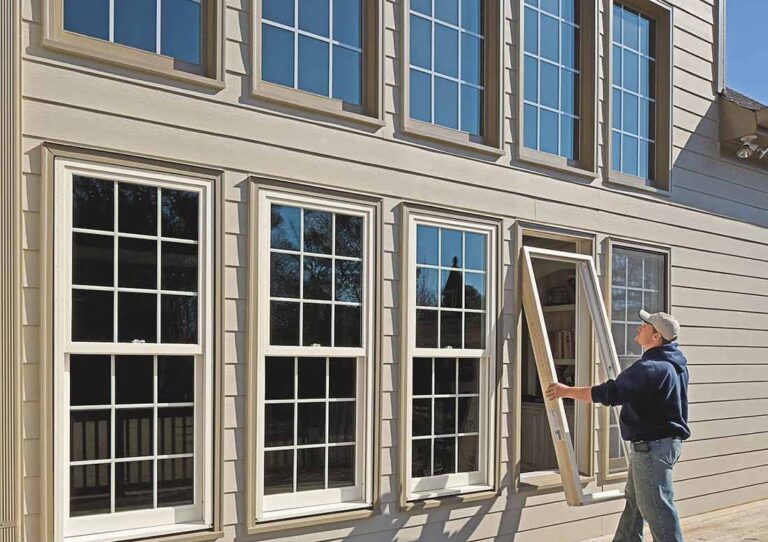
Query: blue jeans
(649, 494)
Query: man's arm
(556, 390)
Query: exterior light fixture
(748, 148)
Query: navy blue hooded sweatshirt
(653, 394)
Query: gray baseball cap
(664, 323)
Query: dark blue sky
(746, 49)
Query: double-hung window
(450, 362)
(313, 363)
(133, 353)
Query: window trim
(371, 110)
(604, 412)
(587, 163)
(663, 15)
(260, 196)
(209, 74)
(61, 161)
(488, 485)
(492, 141)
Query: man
(653, 393)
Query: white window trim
(137, 523)
(463, 482)
(291, 505)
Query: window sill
(615, 477)
(448, 136)
(175, 533)
(285, 522)
(638, 183)
(313, 102)
(434, 499)
(552, 161)
(546, 480)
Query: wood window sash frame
(297, 193)
(410, 215)
(586, 165)
(663, 15)
(609, 244)
(209, 74)
(491, 142)
(371, 111)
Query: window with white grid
(313, 400)
(133, 352)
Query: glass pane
(647, 36)
(284, 275)
(181, 34)
(134, 379)
(474, 291)
(642, 161)
(619, 268)
(421, 96)
(634, 304)
(279, 378)
(426, 245)
(89, 435)
(348, 326)
(618, 304)
(89, 380)
(531, 79)
(286, 227)
(616, 108)
(569, 92)
(445, 376)
(346, 75)
(468, 454)
(647, 74)
(629, 155)
(629, 114)
(134, 485)
(342, 377)
(92, 259)
(277, 53)
(631, 71)
(133, 432)
(426, 287)
(549, 131)
(569, 129)
(450, 329)
(92, 201)
(471, 110)
(619, 331)
(278, 471)
(341, 422)
(569, 47)
(279, 11)
(447, 10)
(647, 123)
(313, 65)
(92, 316)
(89, 17)
(310, 427)
(422, 376)
(451, 289)
(617, 18)
(472, 15)
(570, 10)
(617, 65)
(136, 23)
(283, 323)
(180, 214)
(445, 416)
(445, 456)
(341, 466)
(530, 127)
(549, 85)
(421, 42)
(421, 417)
(531, 38)
(349, 281)
(347, 22)
(635, 270)
(474, 330)
(446, 50)
(175, 430)
(317, 278)
(426, 329)
(469, 374)
(175, 379)
(551, 6)
(314, 17)
(318, 233)
(179, 267)
(451, 248)
(278, 424)
(469, 415)
(549, 38)
(474, 249)
(310, 469)
(317, 324)
(422, 6)
(349, 236)
(421, 458)
(631, 29)
(446, 103)
(616, 151)
(178, 319)
(175, 481)
(311, 378)
(137, 263)
(137, 209)
(89, 489)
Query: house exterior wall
(715, 222)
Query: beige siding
(715, 222)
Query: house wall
(715, 221)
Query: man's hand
(557, 390)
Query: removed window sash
(545, 365)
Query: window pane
(342, 377)
(647, 75)
(426, 329)
(279, 11)
(133, 432)
(631, 31)
(349, 236)
(92, 259)
(284, 275)
(278, 424)
(175, 379)
(451, 289)
(310, 428)
(422, 6)
(630, 112)
(617, 65)
(531, 79)
(474, 248)
(349, 281)
(619, 337)
(313, 65)
(569, 92)
(341, 466)
(616, 108)
(551, 6)
(347, 21)
(445, 456)
(341, 422)
(178, 319)
(549, 85)
(446, 103)
(647, 124)
(317, 324)
(137, 209)
(137, 263)
(471, 110)
(89, 380)
(279, 378)
(468, 454)
(616, 150)
(445, 416)
(134, 379)
(181, 33)
(531, 39)
(348, 326)
(469, 415)
(471, 59)
(346, 75)
(421, 42)
(175, 481)
(421, 96)
(643, 159)
(134, 485)
(426, 245)
(317, 231)
(550, 38)
(617, 18)
(569, 52)
(180, 214)
(89, 435)
(631, 71)
(451, 248)
(447, 10)
(310, 469)
(311, 378)
(92, 203)
(549, 131)
(450, 329)
(426, 287)
(568, 137)
(472, 15)
(446, 50)
(89, 490)
(136, 23)
(618, 300)
(283, 323)
(314, 17)
(92, 316)
(421, 417)
(570, 10)
(422, 376)
(530, 127)
(474, 291)
(629, 155)
(89, 17)
(176, 430)
(445, 376)
(474, 330)
(278, 472)
(286, 227)
(469, 376)
(647, 36)
(317, 278)
(421, 458)
(277, 54)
